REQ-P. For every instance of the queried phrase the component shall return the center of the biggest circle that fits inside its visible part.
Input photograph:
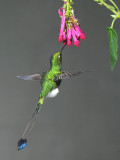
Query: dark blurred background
(83, 121)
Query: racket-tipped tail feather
(22, 144)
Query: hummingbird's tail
(39, 105)
(23, 141)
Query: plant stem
(113, 21)
(68, 8)
(107, 6)
(114, 5)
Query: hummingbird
(50, 82)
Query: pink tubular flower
(60, 12)
(63, 22)
(69, 37)
(82, 36)
(60, 37)
(64, 38)
(79, 32)
(76, 41)
(69, 26)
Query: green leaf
(112, 7)
(113, 16)
(113, 38)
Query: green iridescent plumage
(47, 82)
(50, 81)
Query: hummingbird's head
(56, 60)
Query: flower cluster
(70, 29)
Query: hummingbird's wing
(31, 77)
(65, 75)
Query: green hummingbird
(50, 82)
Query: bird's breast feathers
(53, 93)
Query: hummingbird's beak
(62, 48)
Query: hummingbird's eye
(59, 58)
